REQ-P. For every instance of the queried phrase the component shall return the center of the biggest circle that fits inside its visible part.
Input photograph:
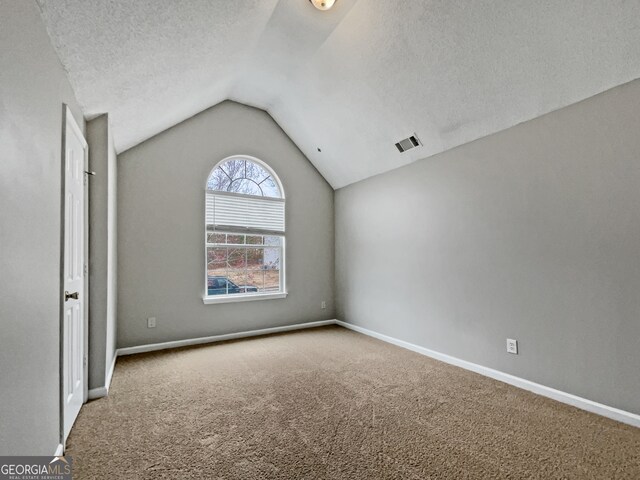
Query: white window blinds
(228, 211)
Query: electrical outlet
(512, 346)
(323, 304)
(151, 322)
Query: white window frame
(245, 297)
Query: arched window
(244, 232)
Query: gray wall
(102, 250)
(33, 87)
(532, 233)
(161, 230)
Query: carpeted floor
(328, 403)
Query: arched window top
(245, 175)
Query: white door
(73, 317)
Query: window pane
(237, 279)
(270, 188)
(255, 281)
(272, 259)
(235, 239)
(219, 180)
(255, 269)
(216, 238)
(272, 269)
(216, 270)
(216, 255)
(234, 168)
(255, 172)
(236, 258)
(255, 258)
(254, 239)
(215, 286)
(271, 281)
(273, 241)
(246, 186)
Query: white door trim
(68, 121)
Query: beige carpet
(329, 403)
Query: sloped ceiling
(351, 81)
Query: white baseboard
(104, 391)
(568, 398)
(219, 338)
(98, 393)
(59, 451)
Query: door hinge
(86, 269)
(84, 361)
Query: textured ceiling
(353, 80)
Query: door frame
(69, 119)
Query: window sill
(241, 298)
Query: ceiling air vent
(408, 143)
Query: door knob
(68, 296)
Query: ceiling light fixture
(323, 4)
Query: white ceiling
(353, 80)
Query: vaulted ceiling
(351, 81)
